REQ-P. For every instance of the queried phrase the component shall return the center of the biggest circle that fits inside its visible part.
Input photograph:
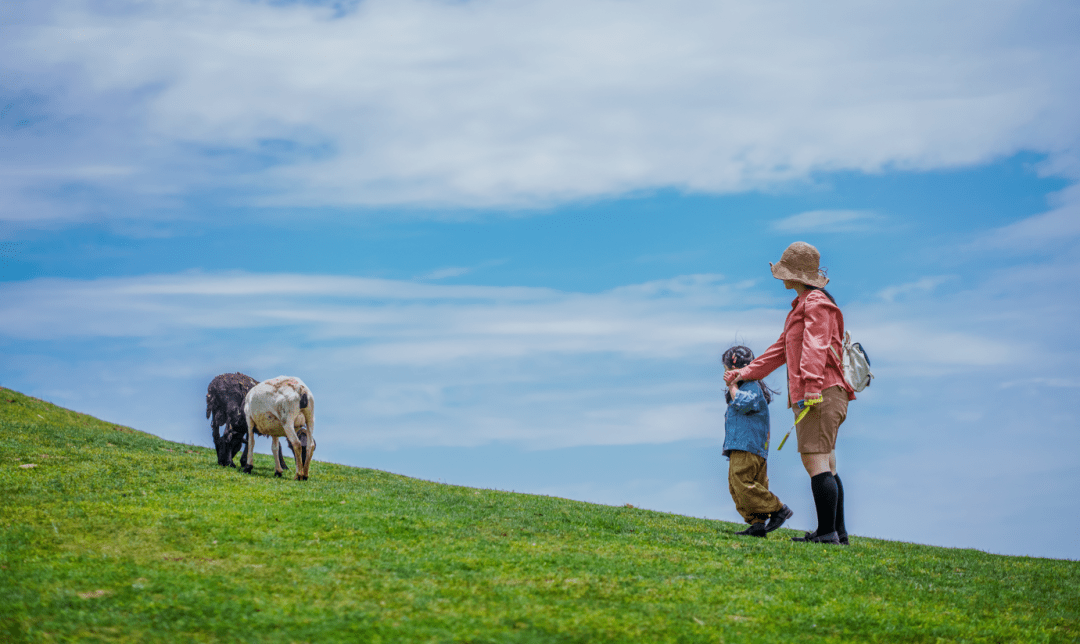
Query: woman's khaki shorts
(817, 431)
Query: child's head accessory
(737, 357)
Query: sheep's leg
(234, 448)
(222, 444)
(226, 451)
(278, 461)
(249, 452)
(294, 445)
(281, 458)
(217, 442)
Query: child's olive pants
(748, 480)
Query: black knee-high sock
(840, 527)
(824, 488)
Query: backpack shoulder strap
(846, 347)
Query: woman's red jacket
(813, 324)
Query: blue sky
(506, 243)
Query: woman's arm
(766, 363)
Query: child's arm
(747, 401)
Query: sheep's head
(307, 448)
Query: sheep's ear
(303, 401)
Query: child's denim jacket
(746, 423)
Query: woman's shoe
(814, 537)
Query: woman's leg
(817, 463)
(817, 441)
(841, 529)
(823, 486)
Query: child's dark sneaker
(755, 530)
(777, 519)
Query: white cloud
(828, 221)
(457, 271)
(1062, 383)
(433, 364)
(1058, 226)
(925, 346)
(444, 273)
(510, 103)
(414, 322)
(924, 285)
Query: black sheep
(225, 406)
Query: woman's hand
(732, 376)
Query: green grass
(117, 535)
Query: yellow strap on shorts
(806, 404)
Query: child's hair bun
(737, 357)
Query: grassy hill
(112, 534)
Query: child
(746, 444)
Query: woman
(817, 393)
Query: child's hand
(732, 376)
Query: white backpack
(856, 364)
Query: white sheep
(282, 406)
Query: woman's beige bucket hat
(800, 263)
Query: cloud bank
(126, 108)
(829, 221)
(423, 364)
